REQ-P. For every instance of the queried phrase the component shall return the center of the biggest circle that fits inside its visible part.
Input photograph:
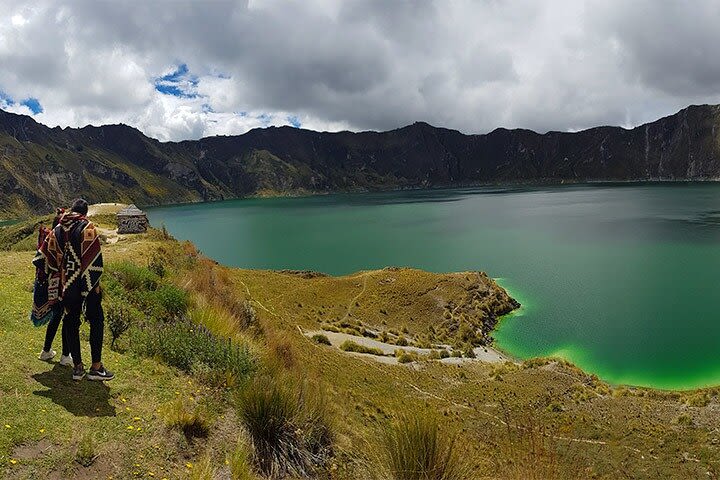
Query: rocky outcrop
(117, 162)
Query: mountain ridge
(41, 167)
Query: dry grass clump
(403, 356)
(215, 283)
(321, 339)
(350, 346)
(526, 448)
(193, 422)
(288, 427)
(414, 448)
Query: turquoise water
(623, 280)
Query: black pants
(71, 326)
(52, 327)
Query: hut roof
(130, 211)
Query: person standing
(73, 250)
(47, 307)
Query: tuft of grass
(321, 339)
(414, 448)
(192, 422)
(239, 461)
(350, 346)
(403, 356)
(203, 470)
(85, 454)
(288, 427)
(214, 317)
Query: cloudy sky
(183, 70)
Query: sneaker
(78, 372)
(45, 356)
(66, 361)
(102, 374)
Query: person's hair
(79, 206)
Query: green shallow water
(622, 280)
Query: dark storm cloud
(670, 46)
(361, 64)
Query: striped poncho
(72, 249)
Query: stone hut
(132, 220)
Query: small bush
(192, 422)
(415, 449)
(85, 453)
(404, 356)
(120, 318)
(321, 339)
(700, 399)
(401, 341)
(434, 355)
(192, 348)
(469, 352)
(288, 427)
(133, 277)
(444, 353)
(172, 301)
(157, 266)
(350, 346)
(684, 419)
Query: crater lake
(621, 279)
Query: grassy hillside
(177, 412)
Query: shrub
(401, 341)
(321, 339)
(469, 352)
(404, 356)
(133, 277)
(288, 427)
(444, 353)
(350, 346)
(172, 301)
(699, 399)
(119, 318)
(415, 449)
(192, 422)
(157, 266)
(192, 348)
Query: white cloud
(358, 64)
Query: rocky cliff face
(41, 167)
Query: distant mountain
(41, 167)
